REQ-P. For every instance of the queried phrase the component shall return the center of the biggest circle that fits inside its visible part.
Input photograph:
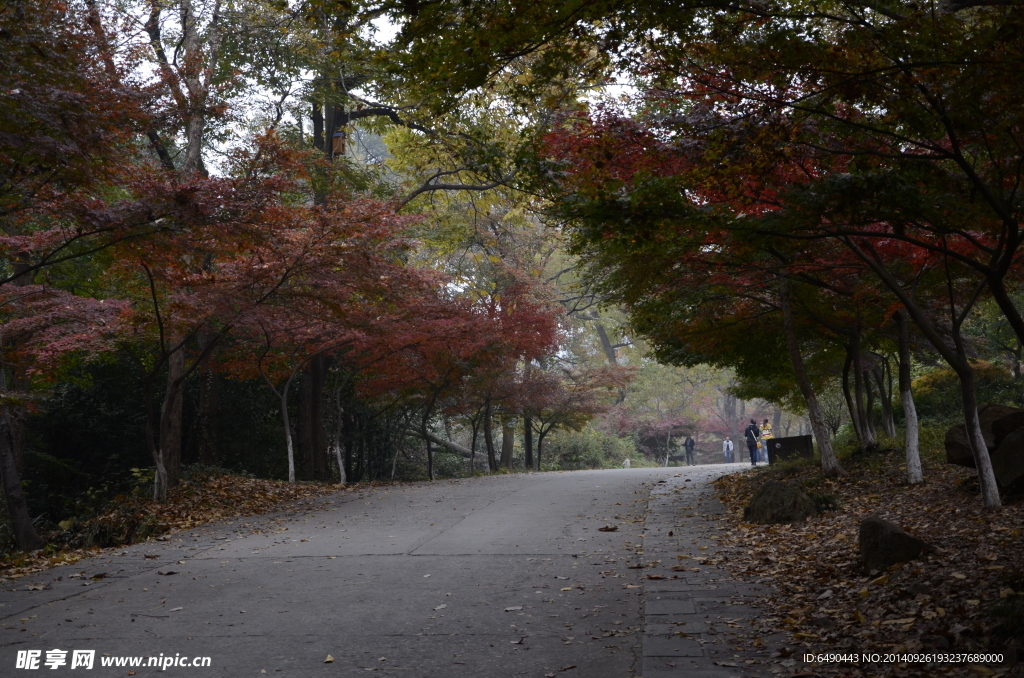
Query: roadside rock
(1008, 461)
(883, 544)
(779, 501)
(1004, 426)
(958, 450)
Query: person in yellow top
(766, 436)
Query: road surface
(497, 576)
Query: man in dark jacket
(689, 444)
(751, 434)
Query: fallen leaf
(655, 576)
(329, 659)
(176, 609)
(167, 573)
(513, 608)
(608, 528)
(440, 607)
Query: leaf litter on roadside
(946, 601)
(199, 500)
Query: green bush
(937, 394)
(587, 449)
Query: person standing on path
(766, 435)
(689, 445)
(727, 449)
(751, 435)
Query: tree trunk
(913, 454)
(430, 458)
(540, 444)
(508, 441)
(608, 348)
(475, 425)
(865, 417)
(318, 127)
(982, 460)
(528, 442)
(829, 463)
(170, 418)
(854, 419)
(25, 536)
(956, 357)
(869, 408)
(209, 407)
(286, 420)
(883, 380)
(492, 461)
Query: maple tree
(870, 124)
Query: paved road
(486, 577)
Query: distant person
(766, 435)
(625, 464)
(727, 449)
(751, 435)
(689, 444)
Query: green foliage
(588, 449)
(937, 393)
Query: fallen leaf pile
(200, 499)
(966, 596)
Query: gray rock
(883, 544)
(1008, 461)
(1004, 426)
(958, 450)
(779, 501)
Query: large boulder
(958, 450)
(883, 544)
(1004, 426)
(779, 501)
(1008, 461)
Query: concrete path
(486, 577)
(697, 617)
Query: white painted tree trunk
(911, 435)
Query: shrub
(937, 394)
(587, 449)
